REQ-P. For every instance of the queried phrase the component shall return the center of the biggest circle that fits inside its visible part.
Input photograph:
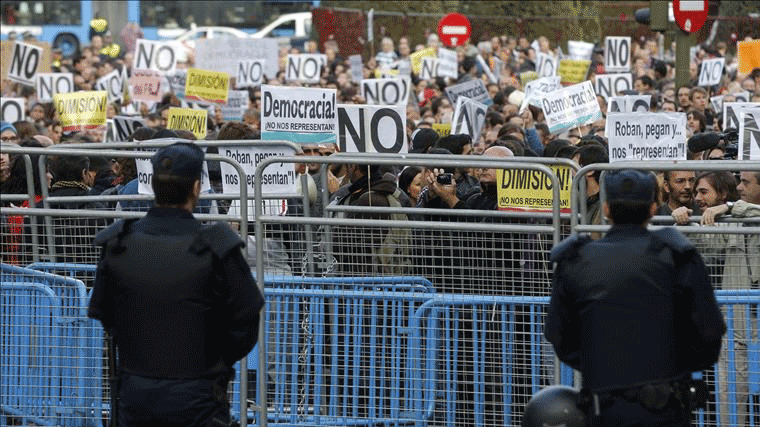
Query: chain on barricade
(303, 356)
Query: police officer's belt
(653, 395)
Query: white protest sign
(277, 178)
(155, 56)
(303, 115)
(617, 54)
(216, 54)
(536, 89)
(110, 133)
(732, 110)
(749, 134)
(629, 104)
(711, 71)
(609, 85)
(48, 84)
(357, 68)
(404, 68)
(498, 67)
(717, 102)
(305, 67)
(447, 63)
(579, 50)
(486, 69)
(646, 136)
(429, 68)
(742, 96)
(145, 175)
(177, 81)
(474, 89)
(250, 73)
(546, 65)
(113, 84)
(12, 109)
(121, 127)
(570, 107)
(469, 118)
(25, 61)
(146, 85)
(372, 128)
(237, 103)
(386, 91)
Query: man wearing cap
(634, 312)
(179, 300)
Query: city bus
(65, 24)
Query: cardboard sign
(207, 87)
(473, 89)
(646, 136)
(12, 109)
(145, 175)
(732, 111)
(305, 67)
(469, 118)
(25, 62)
(629, 104)
(749, 55)
(48, 84)
(386, 91)
(357, 68)
(301, 115)
(154, 56)
(530, 190)
(429, 69)
(277, 178)
(573, 71)
(546, 65)
(124, 126)
(749, 134)
(536, 89)
(617, 54)
(570, 107)
(609, 85)
(416, 58)
(250, 73)
(81, 110)
(195, 121)
(372, 128)
(579, 50)
(442, 129)
(711, 71)
(146, 85)
(237, 103)
(113, 84)
(447, 63)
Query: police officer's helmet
(555, 405)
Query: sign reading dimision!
(81, 110)
(532, 190)
(301, 115)
(189, 119)
(207, 86)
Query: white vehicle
(185, 42)
(287, 27)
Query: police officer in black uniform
(179, 300)
(634, 312)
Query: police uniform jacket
(633, 307)
(178, 298)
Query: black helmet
(556, 405)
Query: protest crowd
(511, 85)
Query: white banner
(145, 175)
(469, 118)
(12, 109)
(570, 107)
(536, 89)
(277, 178)
(742, 96)
(48, 84)
(546, 65)
(372, 128)
(305, 67)
(113, 84)
(304, 115)
(474, 89)
(617, 54)
(386, 91)
(717, 102)
(155, 56)
(124, 126)
(749, 134)
(25, 61)
(357, 68)
(447, 63)
(646, 136)
(732, 111)
(250, 73)
(609, 85)
(629, 104)
(579, 50)
(222, 54)
(177, 80)
(486, 69)
(711, 71)
(429, 68)
(237, 103)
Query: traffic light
(656, 16)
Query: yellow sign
(527, 77)
(573, 71)
(81, 110)
(207, 86)
(749, 56)
(416, 58)
(188, 119)
(531, 190)
(443, 129)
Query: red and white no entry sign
(690, 15)
(454, 29)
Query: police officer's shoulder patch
(221, 238)
(114, 230)
(567, 248)
(673, 239)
